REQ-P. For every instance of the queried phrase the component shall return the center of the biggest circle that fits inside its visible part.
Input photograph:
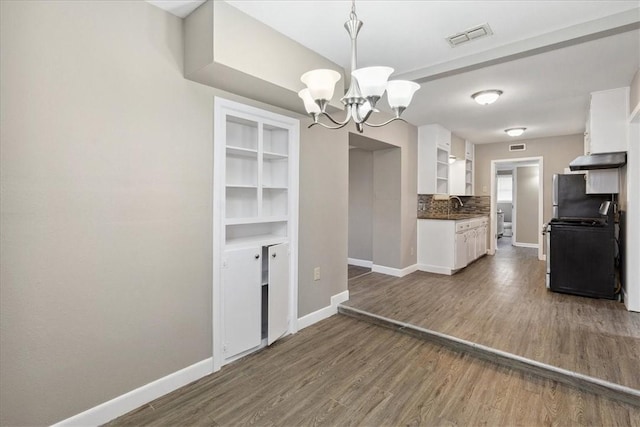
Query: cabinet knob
(273, 255)
(257, 256)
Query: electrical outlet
(484, 189)
(316, 273)
(412, 250)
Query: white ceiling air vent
(470, 34)
(517, 147)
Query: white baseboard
(325, 312)
(526, 245)
(127, 402)
(360, 262)
(435, 269)
(397, 272)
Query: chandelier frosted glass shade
(400, 93)
(309, 103)
(372, 80)
(321, 83)
(487, 97)
(366, 88)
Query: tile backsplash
(472, 205)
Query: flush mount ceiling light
(515, 131)
(487, 97)
(365, 90)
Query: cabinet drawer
(462, 225)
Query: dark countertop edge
(443, 218)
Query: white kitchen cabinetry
(434, 146)
(254, 228)
(445, 246)
(607, 122)
(606, 132)
(461, 173)
(255, 297)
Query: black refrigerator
(582, 247)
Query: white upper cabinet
(434, 147)
(461, 170)
(607, 122)
(469, 150)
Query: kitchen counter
(453, 216)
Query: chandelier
(365, 89)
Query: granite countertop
(452, 216)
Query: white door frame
(494, 205)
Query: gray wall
(324, 207)
(106, 215)
(361, 204)
(387, 227)
(526, 190)
(556, 151)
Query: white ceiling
(547, 56)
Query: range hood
(599, 161)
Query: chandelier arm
(334, 121)
(326, 126)
(374, 125)
(364, 119)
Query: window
(505, 188)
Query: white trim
(360, 262)
(397, 272)
(129, 401)
(435, 269)
(325, 312)
(525, 245)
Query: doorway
(374, 205)
(517, 204)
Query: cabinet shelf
(241, 152)
(241, 186)
(255, 240)
(274, 156)
(254, 220)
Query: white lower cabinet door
(471, 245)
(461, 251)
(278, 314)
(479, 244)
(241, 300)
(483, 240)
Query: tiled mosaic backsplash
(472, 205)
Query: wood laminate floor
(354, 271)
(342, 372)
(501, 301)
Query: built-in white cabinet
(606, 128)
(255, 296)
(469, 150)
(606, 132)
(434, 147)
(446, 246)
(255, 228)
(461, 172)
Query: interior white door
(241, 301)
(278, 313)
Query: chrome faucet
(458, 199)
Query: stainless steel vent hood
(599, 161)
